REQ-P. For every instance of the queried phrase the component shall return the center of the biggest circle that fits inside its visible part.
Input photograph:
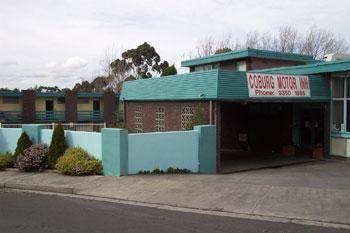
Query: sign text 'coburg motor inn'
(275, 85)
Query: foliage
(315, 42)
(223, 50)
(171, 70)
(170, 170)
(33, 158)
(22, 144)
(99, 84)
(58, 145)
(198, 119)
(6, 161)
(78, 162)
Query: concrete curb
(42, 188)
(71, 192)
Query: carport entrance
(254, 134)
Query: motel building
(70, 108)
(262, 103)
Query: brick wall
(109, 107)
(71, 106)
(255, 64)
(263, 63)
(28, 109)
(172, 114)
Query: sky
(62, 42)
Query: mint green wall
(89, 141)
(33, 132)
(148, 151)
(115, 152)
(207, 148)
(8, 139)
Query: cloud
(62, 42)
(75, 63)
(51, 64)
(8, 63)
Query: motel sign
(277, 85)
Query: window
(186, 117)
(241, 66)
(160, 119)
(138, 119)
(206, 67)
(338, 104)
(83, 100)
(10, 100)
(61, 100)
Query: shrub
(6, 161)
(22, 144)
(78, 162)
(58, 145)
(33, 158)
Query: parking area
(327, 174)
(240, 162)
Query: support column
(109, 107)
(28, 106)
(207, 148)
(218, 123)
(115, 151)
(71, 103)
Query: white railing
(87, 127)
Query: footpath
(316, 193)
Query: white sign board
(277, 85)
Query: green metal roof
(317, 68)
(10, 93)
(248, 53)
(89, 94)
(208, 85)
(190, 86)
(50, 94)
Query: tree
(58, 145)
(143, 61)
(223, 50)
(23, 143)
(171, 70)
(315, 42)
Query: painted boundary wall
(148, 151)
(122, 153)
(8, 139)
(90, 141)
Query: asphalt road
(33, 213)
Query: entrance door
(96, 110)
(311, 132)
(49, 115)
(96, 105)
(49, 105)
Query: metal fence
(87, 127)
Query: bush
(78, 162)
(33, 158)
(170, 170)
(22, 144)
(58, 145)
(6, 161)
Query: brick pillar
(71, 101)
(28, 106)
(109, 107)
(218, 123)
